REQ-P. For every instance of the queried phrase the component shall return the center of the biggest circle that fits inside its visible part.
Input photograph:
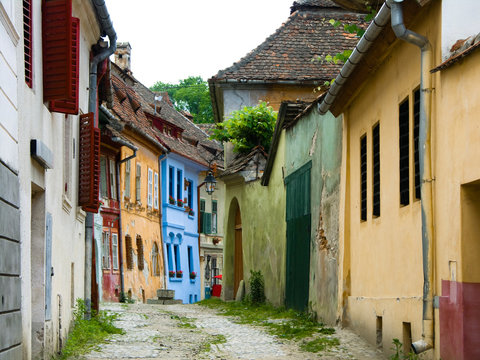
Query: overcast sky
(174, 39)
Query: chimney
(122, 56)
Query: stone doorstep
(164, 302)
(165, 294)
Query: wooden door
(238, 262)
(298, 238)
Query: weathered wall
(457, 211)
(140, 220)
(383, 277)
(10, 260)
(263, 231)
(319, 138)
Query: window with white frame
(115, 251)
(155, 190)
(113, 180)
(127, 179)
(103, 177)
(67, 157)
(214, 216)
(138, 177)
(105, 250)
(150, 188)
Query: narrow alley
(196, 332)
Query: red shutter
(70, 105)
(89, 168)
(57, 49)
(28, 41)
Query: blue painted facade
(180, 229)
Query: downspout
(120, 242)
(165, 262)
(106, 28)
(198, 216)
(427, 341)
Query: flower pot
(179, 274)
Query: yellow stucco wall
(382, 269)
(141, 220)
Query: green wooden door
(298, 238)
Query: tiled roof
(307, 4)
(132, 101)
(288, 53)
(250, 166)
(459, 50)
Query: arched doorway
(238, 259)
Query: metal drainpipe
(427, 341)
(106, 27)
(165, 263)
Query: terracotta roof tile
(288, 53)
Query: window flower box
(179, 202)
(171, 273)
(191, 212)
(179, 274)
(193, 275)
(171, 200)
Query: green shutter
(202, 222)
(208, 223)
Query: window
(169, 257)
(127, 179)
(205, 219)
(138, 177)
(404, 153)
(129, 251)
(150, 188)
(103, 177)
(28, 41)
(67, 157)
(140, 253)
(416, 141)
(190, 194)
(155, 190)
(105, 250)
(171, 172)
(155, 260)
(179, 184)
(363, 178)
(176, 250)
(115, 251)
(214, 216)
(376, 170)
(113, 179)
(190, 260)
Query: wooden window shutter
(70, 104)
(57, 49)
(89, 181)
(28, 41)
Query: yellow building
(402, 120)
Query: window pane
(127, 179)
(155, 191)
(138, 177)
(115, 251)
(404, 153)
(103, 177)
(150, 188)
(106, 250)
(179, 184)
(113, 180)
(376, 169)
(363, 178)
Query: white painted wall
(459, 21)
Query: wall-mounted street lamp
(210, 183)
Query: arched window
(140, 252)
(155, 260)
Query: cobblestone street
(193, 332)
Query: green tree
(247, 128)
(190, 94)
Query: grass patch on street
(88, 334)
(283, 323)
(319, 344)
(184, 322)
(214, 340)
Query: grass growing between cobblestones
(87, 334)
(285, 324)
(184, 322)
(214, 340)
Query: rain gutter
(106, 29)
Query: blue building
(180, 225)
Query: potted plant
(179, 202)
(215, 240)
(171, 200)
(193, 275)
(171, 273)
(191, 212)
(179, 273)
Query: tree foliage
(190, 94)
(247, 128)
